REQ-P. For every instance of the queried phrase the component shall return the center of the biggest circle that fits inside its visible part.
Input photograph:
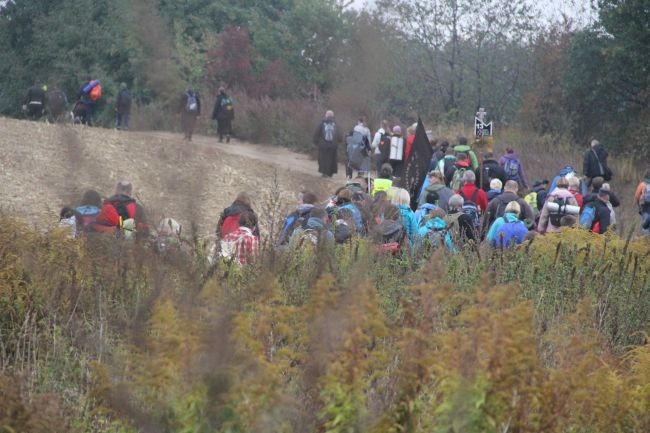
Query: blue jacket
(356, 216)
(507, 229)
(408, 220)
(423, 211)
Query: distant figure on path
(224, 114)
(190, 108)
(34, 104)
(56, 103)
(123, 107)
(595, 163)
(326, 138)
(90, 94)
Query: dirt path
(45, 167)
(279, 156)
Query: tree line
(440, 59)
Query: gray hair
(456, 201)
(594, 143)
(469, 177)
(512, 186)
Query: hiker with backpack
(470, 192)
(224, 113)
(123, 108)
(229, 219)
(327, 138)
(537, 197)
(241, 246)
(496, 207)
(381, 145)
(490, 169)
(558, 203)
(430, 204)
(402, 200)
(454, 174)
(507, 229)
(595, 215)
(306, 202)
(344, 201)
(389, 234)
(56, 102)
(190, 109)
(594, 163)
(34, 103)
(87, 211)
(358, 150)
(314, 231)
(496, 189)
(596, 185)
(396, 155)
(513, 168)
(433, 231)
(574, 188)
(438, 155)
(122, 215)
(460, 225)
(642, 199)
(90, 94)
(568, 172)
(464, 147)
(437, 186)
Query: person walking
(642, 199)
(224, 113)
(56, 103)
(123, 108)
(34, 104)
(513, 169)
(559, 202)
(381, 145)
(327, 138)
(396, 155)
(594, 163)
(90, 94)
(190, 108)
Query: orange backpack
(96, 93)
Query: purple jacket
(522, 175)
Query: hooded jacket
(506, 230)
(595, 163)
(444, 194)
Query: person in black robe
(327, 138)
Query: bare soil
(45, 167)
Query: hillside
(45, 167)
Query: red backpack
(230, 224)
(113, 214)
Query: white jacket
(376, 140)
(396, 148)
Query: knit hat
(397, 129)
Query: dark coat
(490, 169)
(35, 94)
(237, 208)
(498, 205)
(595, 163)
(219, 112)
(327, 150)
(603, 215)
(123, 103)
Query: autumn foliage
(109, 337)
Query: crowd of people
(461, 204)
(53, 103)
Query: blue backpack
(511, 169)
(588, 216)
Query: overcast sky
(579, 10)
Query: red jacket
(467, 191)
(408, 145)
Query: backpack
(230, 224)
(192, 104)
(96, 92)
(226, 103)
(438, 234)
(86, 216)
(457, 178)
(294, 220)
(470, 209)
(511, 169)
(588, 216)
(556, 216)
(384, 144)
(389, 236)
(328, 131)
(507, 230)
(357, 149)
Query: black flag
(415, 167)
